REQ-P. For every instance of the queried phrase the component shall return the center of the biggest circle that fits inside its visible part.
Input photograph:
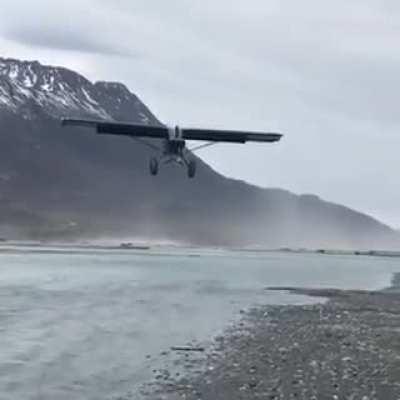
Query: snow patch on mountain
(27, 83)
(59, 92)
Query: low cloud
(62, 40)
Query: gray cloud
(74, 26)
(62, 40)
(325, 73)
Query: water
(92, 323)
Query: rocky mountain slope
(60, 183)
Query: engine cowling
(175, 133)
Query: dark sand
(346, 348)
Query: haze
(324, 74)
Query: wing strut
(202, 146)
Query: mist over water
(80, 323)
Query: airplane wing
(120, 128)
(211, 135)
(161, 132)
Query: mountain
(60, 183)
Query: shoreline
(347, 347)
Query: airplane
(174, 139)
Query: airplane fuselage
(174, 146)
(174, 149)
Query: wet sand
(347, 347)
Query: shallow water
(91, 323)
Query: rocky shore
(345, 348)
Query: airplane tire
(153, 166)
(191, 169)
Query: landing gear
(153, 166)
(190, 165)
(191, 169)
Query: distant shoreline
(333, 252)
(123, 245)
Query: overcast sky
(326, 74)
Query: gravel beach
(347, 347)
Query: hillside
(69, 183)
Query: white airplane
(174, 139)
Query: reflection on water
(84, 323)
